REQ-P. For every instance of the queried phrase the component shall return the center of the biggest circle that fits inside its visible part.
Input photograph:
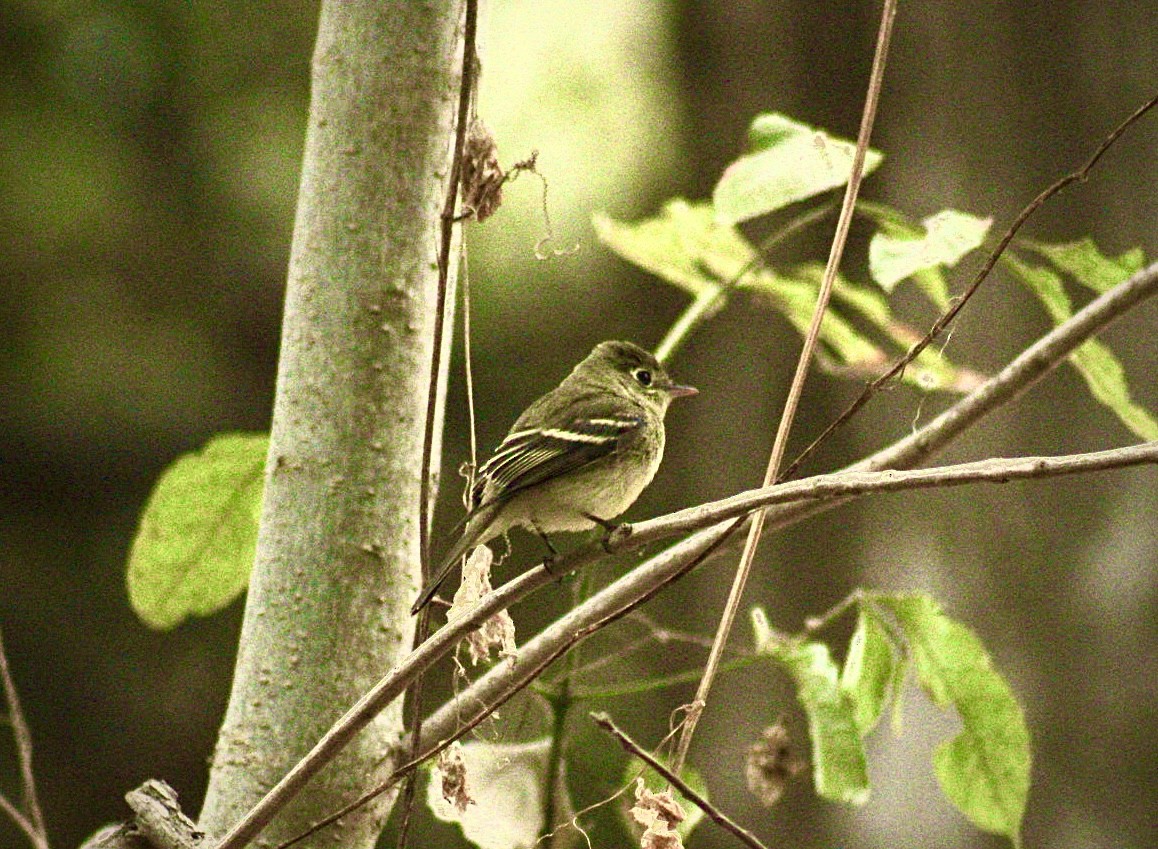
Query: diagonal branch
(23, 823)
(457, 717)
(713, 813)
(1025, 370)
(847, 484)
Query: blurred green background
(148, 169)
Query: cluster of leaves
(700, 248)
(983, 770)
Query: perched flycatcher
(576, 458)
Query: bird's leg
(552, 552)
(614, 533)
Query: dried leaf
(659, 814)
(498, 632)
(772, 762)
(452, 771)
(482, 176)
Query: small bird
(576, 458)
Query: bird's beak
(677, 391)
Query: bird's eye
(643, 376)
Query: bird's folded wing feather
(532, 456)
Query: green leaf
(684, 245)
(839, 769)
(866, 302)
(687, 247)
(1094, 360)
(194, 548)
(984, 770)
(787, 162)
(932, 282)
(657, 784)
(847, 350)
(869, 669)
(1089, 266)
(795, 296)
(898, 251)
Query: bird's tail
(476, 525)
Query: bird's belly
(566, 505)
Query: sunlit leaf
(838, 759)
(1087, 265)
(688, 248)
(683, 245)
(932, 282)
(845, 348)
(984, 770)
(867, 302)
(869, 669)
(787, 162)
(794, 295)
(1094, 360)
(194, 548)
(506, 782)
(899, 251)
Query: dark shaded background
(147, 183)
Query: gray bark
(338, 550)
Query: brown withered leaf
(659, 814)
(452, 770)
(772, 763)
(498, 632)
(482, 176)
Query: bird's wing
(531, 456)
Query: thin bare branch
(22, 822)
(841, 485)
(466, 94)
(713, 813)
(467, 88)
(668, 565)
(30, 820)
(1080, 175)
(641, 583)
(844, 222)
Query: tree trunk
(338, 551)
